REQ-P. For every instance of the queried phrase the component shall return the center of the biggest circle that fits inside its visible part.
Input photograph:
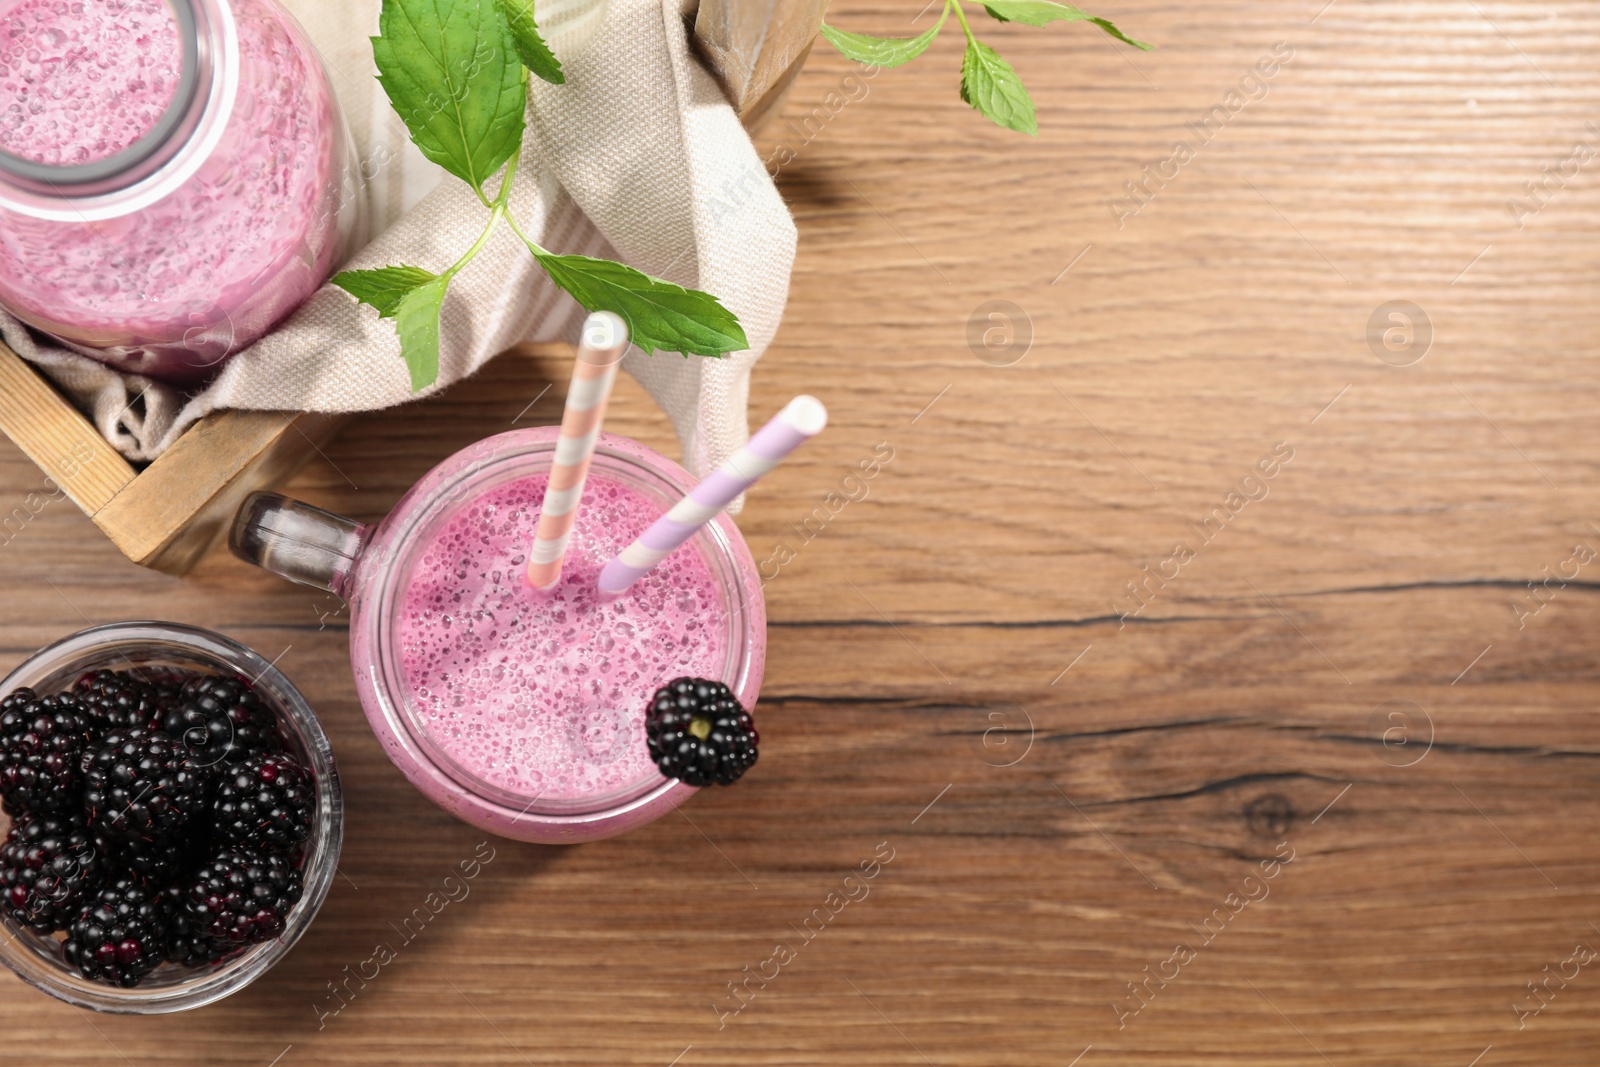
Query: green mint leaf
(883, 51)
(450, 71)
(1044, 12)
(536, 55)
(659, 314)
(416, 320)
(990, 84)
(384, 287)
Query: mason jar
(175, 177)
(551, 746)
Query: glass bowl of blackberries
(172, 817)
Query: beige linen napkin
(629, 160)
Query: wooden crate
(172, 512)
(169, 514)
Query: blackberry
(153, 862)
(699, 734)
(119, 938)
(241, 897)
(49, 870)
(113, 701)
(140, 786)
(221, 721)
(42, 742)
(185, 945)
(265, 802)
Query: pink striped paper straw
(599, 351)
(802, 418)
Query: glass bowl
(36, 958)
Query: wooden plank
(55, 435)
(184, 502)
(959, 606)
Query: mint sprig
(456, 72)
(1043, 12)
(416, 320)
(988, 83)
(883, 51)
(536, 55)
(659, 314)
(991, 85)
(385, 287)
(451, 72)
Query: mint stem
(533, 246)
(961, 16)
(497, 211)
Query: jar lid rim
(100, 171)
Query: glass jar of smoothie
(175, 177)
(518, 710)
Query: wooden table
(1346, 671)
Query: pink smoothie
(171, 288)
(79, 89)
(544, 694)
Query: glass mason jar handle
(298, 542)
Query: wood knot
(1269, 816)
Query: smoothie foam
(544, 694)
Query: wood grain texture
(182, 503)
(1068, 793)
(65, 445)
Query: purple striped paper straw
(802, 418)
